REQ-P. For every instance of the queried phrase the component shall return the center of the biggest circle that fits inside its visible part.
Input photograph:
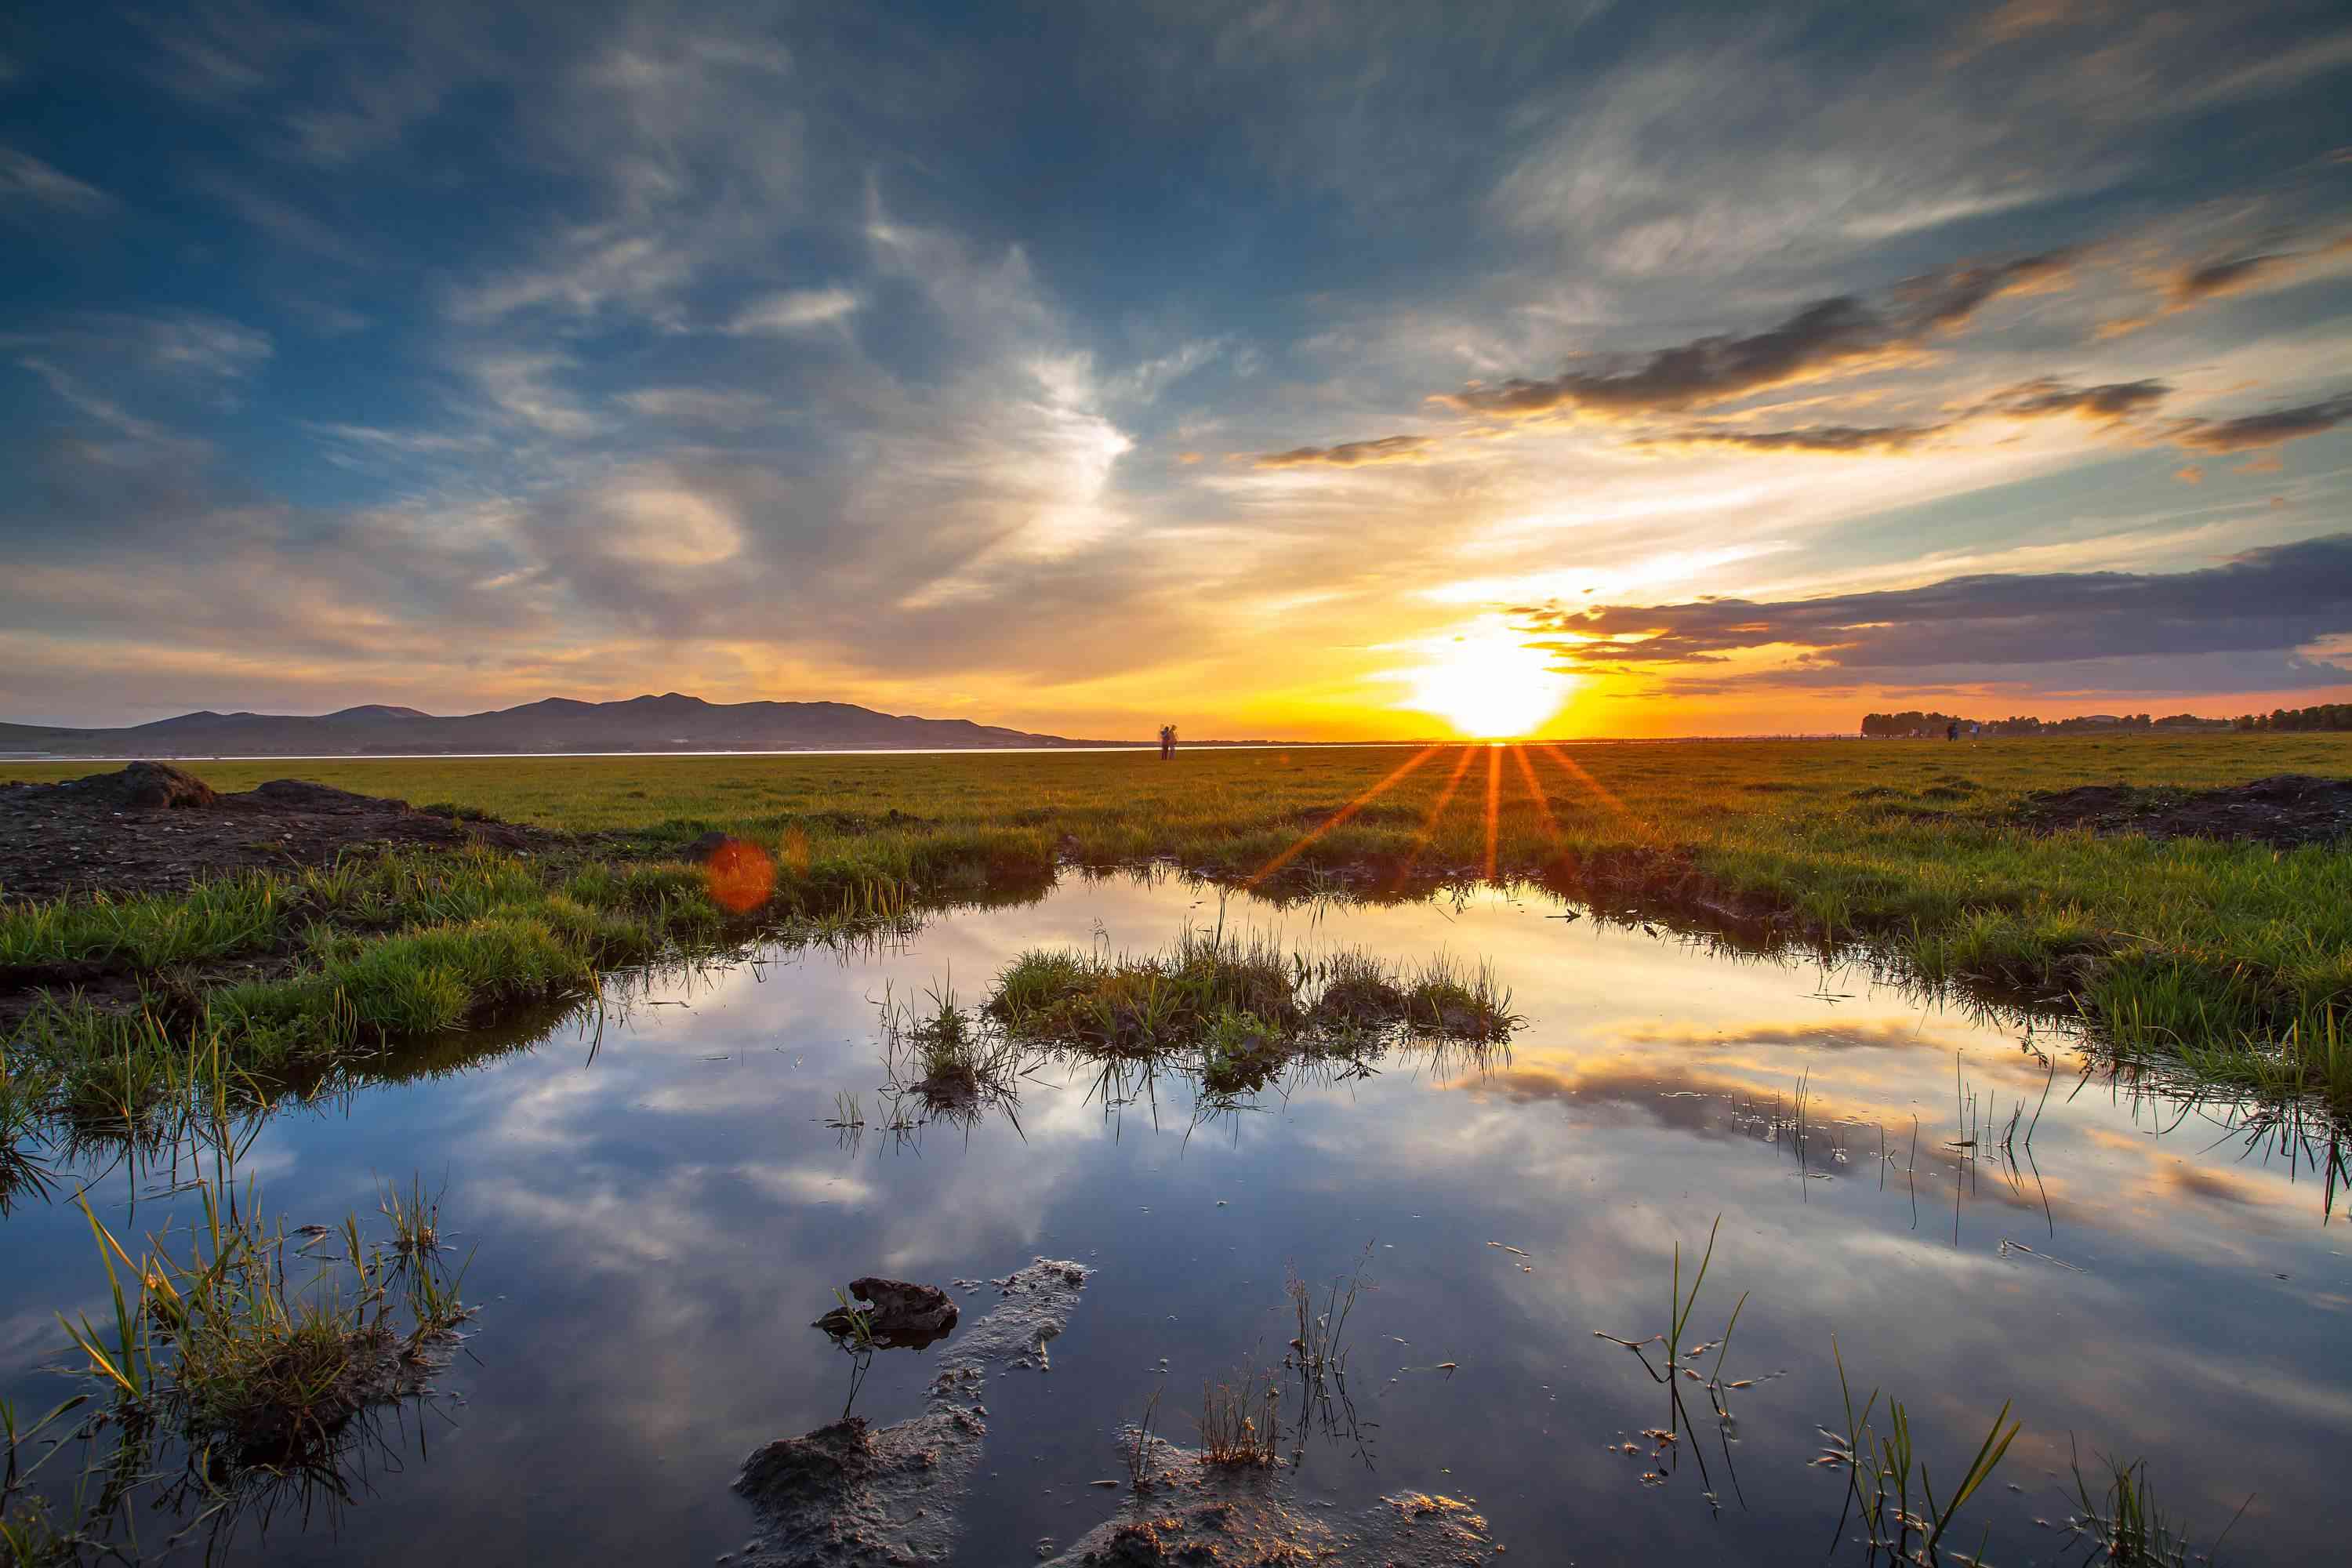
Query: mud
(1233, 1517)
(851, 1495)
(151, 829)
(2285, 811)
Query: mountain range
(670, 722)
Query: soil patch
(1195, 1513)
(152, 828)
(852, 1496)
(2285, 811)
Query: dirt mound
(150, 828)
(2285, 811)
(141, 787)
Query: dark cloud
(1811, 438)
(2255, 431)
(2192, 286)
(1350, 454)
(1830, 335)
(1946, 298)
(2108, 400)
(2282, 596)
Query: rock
(899, 1314)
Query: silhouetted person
(1952, 731)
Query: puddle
(656, 1215)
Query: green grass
(2234, 957)
(1241, 1000)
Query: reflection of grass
(955, 1062)
(2186, 947)
(1881, 1467)
(264, 1389)
(211, 1337)
(2128, 1524)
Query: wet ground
(657, 1212)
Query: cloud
(1840, 439)
(1827, 337)
(2107, 402)
(280, 220)
(796, 310)
(25, 178)
(2190, 474)
(404, 443)
(703, 406)
(1350, 454)
(520, 384)
(2278, 597)
(2253, 431)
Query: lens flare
(739, 876)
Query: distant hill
(670, 722)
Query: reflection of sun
(1487, 683)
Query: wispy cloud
(26, 181)
(794, 310)
(1352, 454)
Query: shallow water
(655, 1223)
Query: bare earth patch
(152, 828)
(1196, 1512)
(854, 1496)
(2285, 811)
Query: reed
(1240, 1419)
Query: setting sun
(1487, 683)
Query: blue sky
(1304, 369)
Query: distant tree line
(1918, 722)
(2325, 716)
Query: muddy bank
(1197, 1513)
(2285, 811)
(153, 828)
(851, 1495)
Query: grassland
(2237, 958)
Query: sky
(1307, 370)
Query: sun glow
(1487, 683)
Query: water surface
(657, 1212)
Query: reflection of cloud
(1886, 1034)
(807, 1184)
